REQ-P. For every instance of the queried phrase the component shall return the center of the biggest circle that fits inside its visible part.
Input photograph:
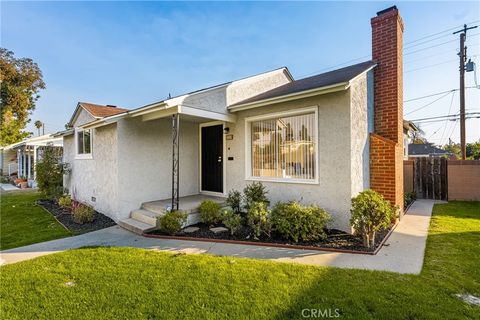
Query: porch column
(24, 162)
(35, 162)
(19, 164)
(175, 160)
(29, 163)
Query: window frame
(78, 155)
(268, 116)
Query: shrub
(370, 213)
(49, 174)
(234, 201)
(65, 201)
(409, 197)
(254, 192)
(231, 220)
(172, 221)
(258, 219)
(210, 212)
(296, 222)
(83, 213)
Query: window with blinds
(284, 148)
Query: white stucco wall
(145, 161)
(334, 189)
(359, 128)
(96, 177)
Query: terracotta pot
(23, 185)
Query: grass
(127, 283)
(23, 222)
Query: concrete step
(135, 226)
(154, 207)
(145, 216)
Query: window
(284, 147)
(84, 142)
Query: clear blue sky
(133, 53)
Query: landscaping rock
(469, 299)
(218, 230)
(191, 229)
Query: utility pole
(463, 58)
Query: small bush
(409, 198)
(83, 213)
(370, 213)
(234, 201)
(296, 222)
(65, 202)
(172, 221)
(254, 192)
(50, 174)
(231, 220)
(258, 219)
(210, 212)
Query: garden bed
(64, 216)
(336, 240)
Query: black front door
(212, 158)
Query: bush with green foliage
(258, 219)
(172, 221)
(65, 201)
(234, 201)
(293, 221)
(210, 212)
(83, 213)
(370, 213)
(231, 220)
(409, 198)
(49, 174)
(254, 192)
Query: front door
(212, 158)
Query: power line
(428, 104)
(440, 32)
(449, 109)
(436, 94)
(430, 66)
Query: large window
(84, 142)
(284, 147)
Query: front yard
(126, 283)
(23, 222)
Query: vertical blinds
(284, 147)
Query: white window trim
(83, 156)
(248, 146)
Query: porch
(145, 219)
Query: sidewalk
(403, 252)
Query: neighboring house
(319, 140)
(408, 129)
(425, 150)
(19, 159)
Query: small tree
(254, 192)
(370, 213)
(50, 174)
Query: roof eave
(293, 96)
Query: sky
(130, 54)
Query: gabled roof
(415, 149)
(314, 82)
(100, 111)
(97, 111)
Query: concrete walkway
(8, 187)
(403, 252)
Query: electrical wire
(430, 103)
(430, 66)
(449, 109)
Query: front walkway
(8, 187)
(403, 252)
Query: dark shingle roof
(317, 81)
(425, 149)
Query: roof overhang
(299, 95)
(188, 111)
(294, 96)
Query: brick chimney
(386, 143)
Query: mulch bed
(64, 216)
(336, 239)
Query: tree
(38, 125)
(50, 173)
(21, 80)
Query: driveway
(403, 252)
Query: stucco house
(319, 140)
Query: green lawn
(125, 283)
(22, 222)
